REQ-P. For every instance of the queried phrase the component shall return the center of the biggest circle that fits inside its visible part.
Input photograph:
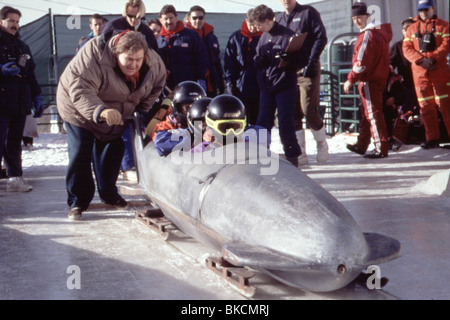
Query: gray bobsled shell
(285, 224)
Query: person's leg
(128, 161)
(373, 97)
(79, 180)
(426, 98)
(106, 162)
(285, 101)
(310, 102)
(267, 107)
(12, 154)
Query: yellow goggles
(224, 127)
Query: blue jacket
(239, 67)
(184, 54)
(17, 93)
(303, 19)
(215, 77)
(271, 77)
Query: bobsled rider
(226, 123)
(426, 46)
(167, 134)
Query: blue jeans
(11, 131)
(284, 101)
(105, 157)
(128, 157)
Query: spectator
(394, 97)
(214, 76)
(100, 88)
(155, 25)
(96, 24)
(403, 66)
(182, 50)
(240, 71)
(132, 15)
(278, 85)
(19, 94)
(306, 19)
(371, 70)
(426, 45)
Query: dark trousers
(11, 131)
(105, 156)
(284, 101)
(128, 161)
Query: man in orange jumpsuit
(426, 46)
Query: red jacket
(371, 54)
(412, 52)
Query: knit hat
(359, 9)
(424, 4)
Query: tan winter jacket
(90, 83)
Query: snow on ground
(51, 149)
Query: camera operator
(19, 95)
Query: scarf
(246, 33)
(203, 32)
(167, 34)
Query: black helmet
(196, 114)
(183, 95)
(226, 114)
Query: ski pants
(372, 124)
(430, 93)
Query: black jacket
(121, 24)
(303, 19)
(240, 71)
(271, 77)
(17, 93)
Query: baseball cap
(424, 4)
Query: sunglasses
(198, 18)
(132, 17)
(224, 127)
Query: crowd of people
(170, 70)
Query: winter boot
(17, 184)
(303, 158)
(322, 146)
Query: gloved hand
(38, 108)
(202, 84)
(428, 64)
(112, 117)
(310, 70)
(10, 69)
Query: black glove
(310, 70)
(428, 64)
